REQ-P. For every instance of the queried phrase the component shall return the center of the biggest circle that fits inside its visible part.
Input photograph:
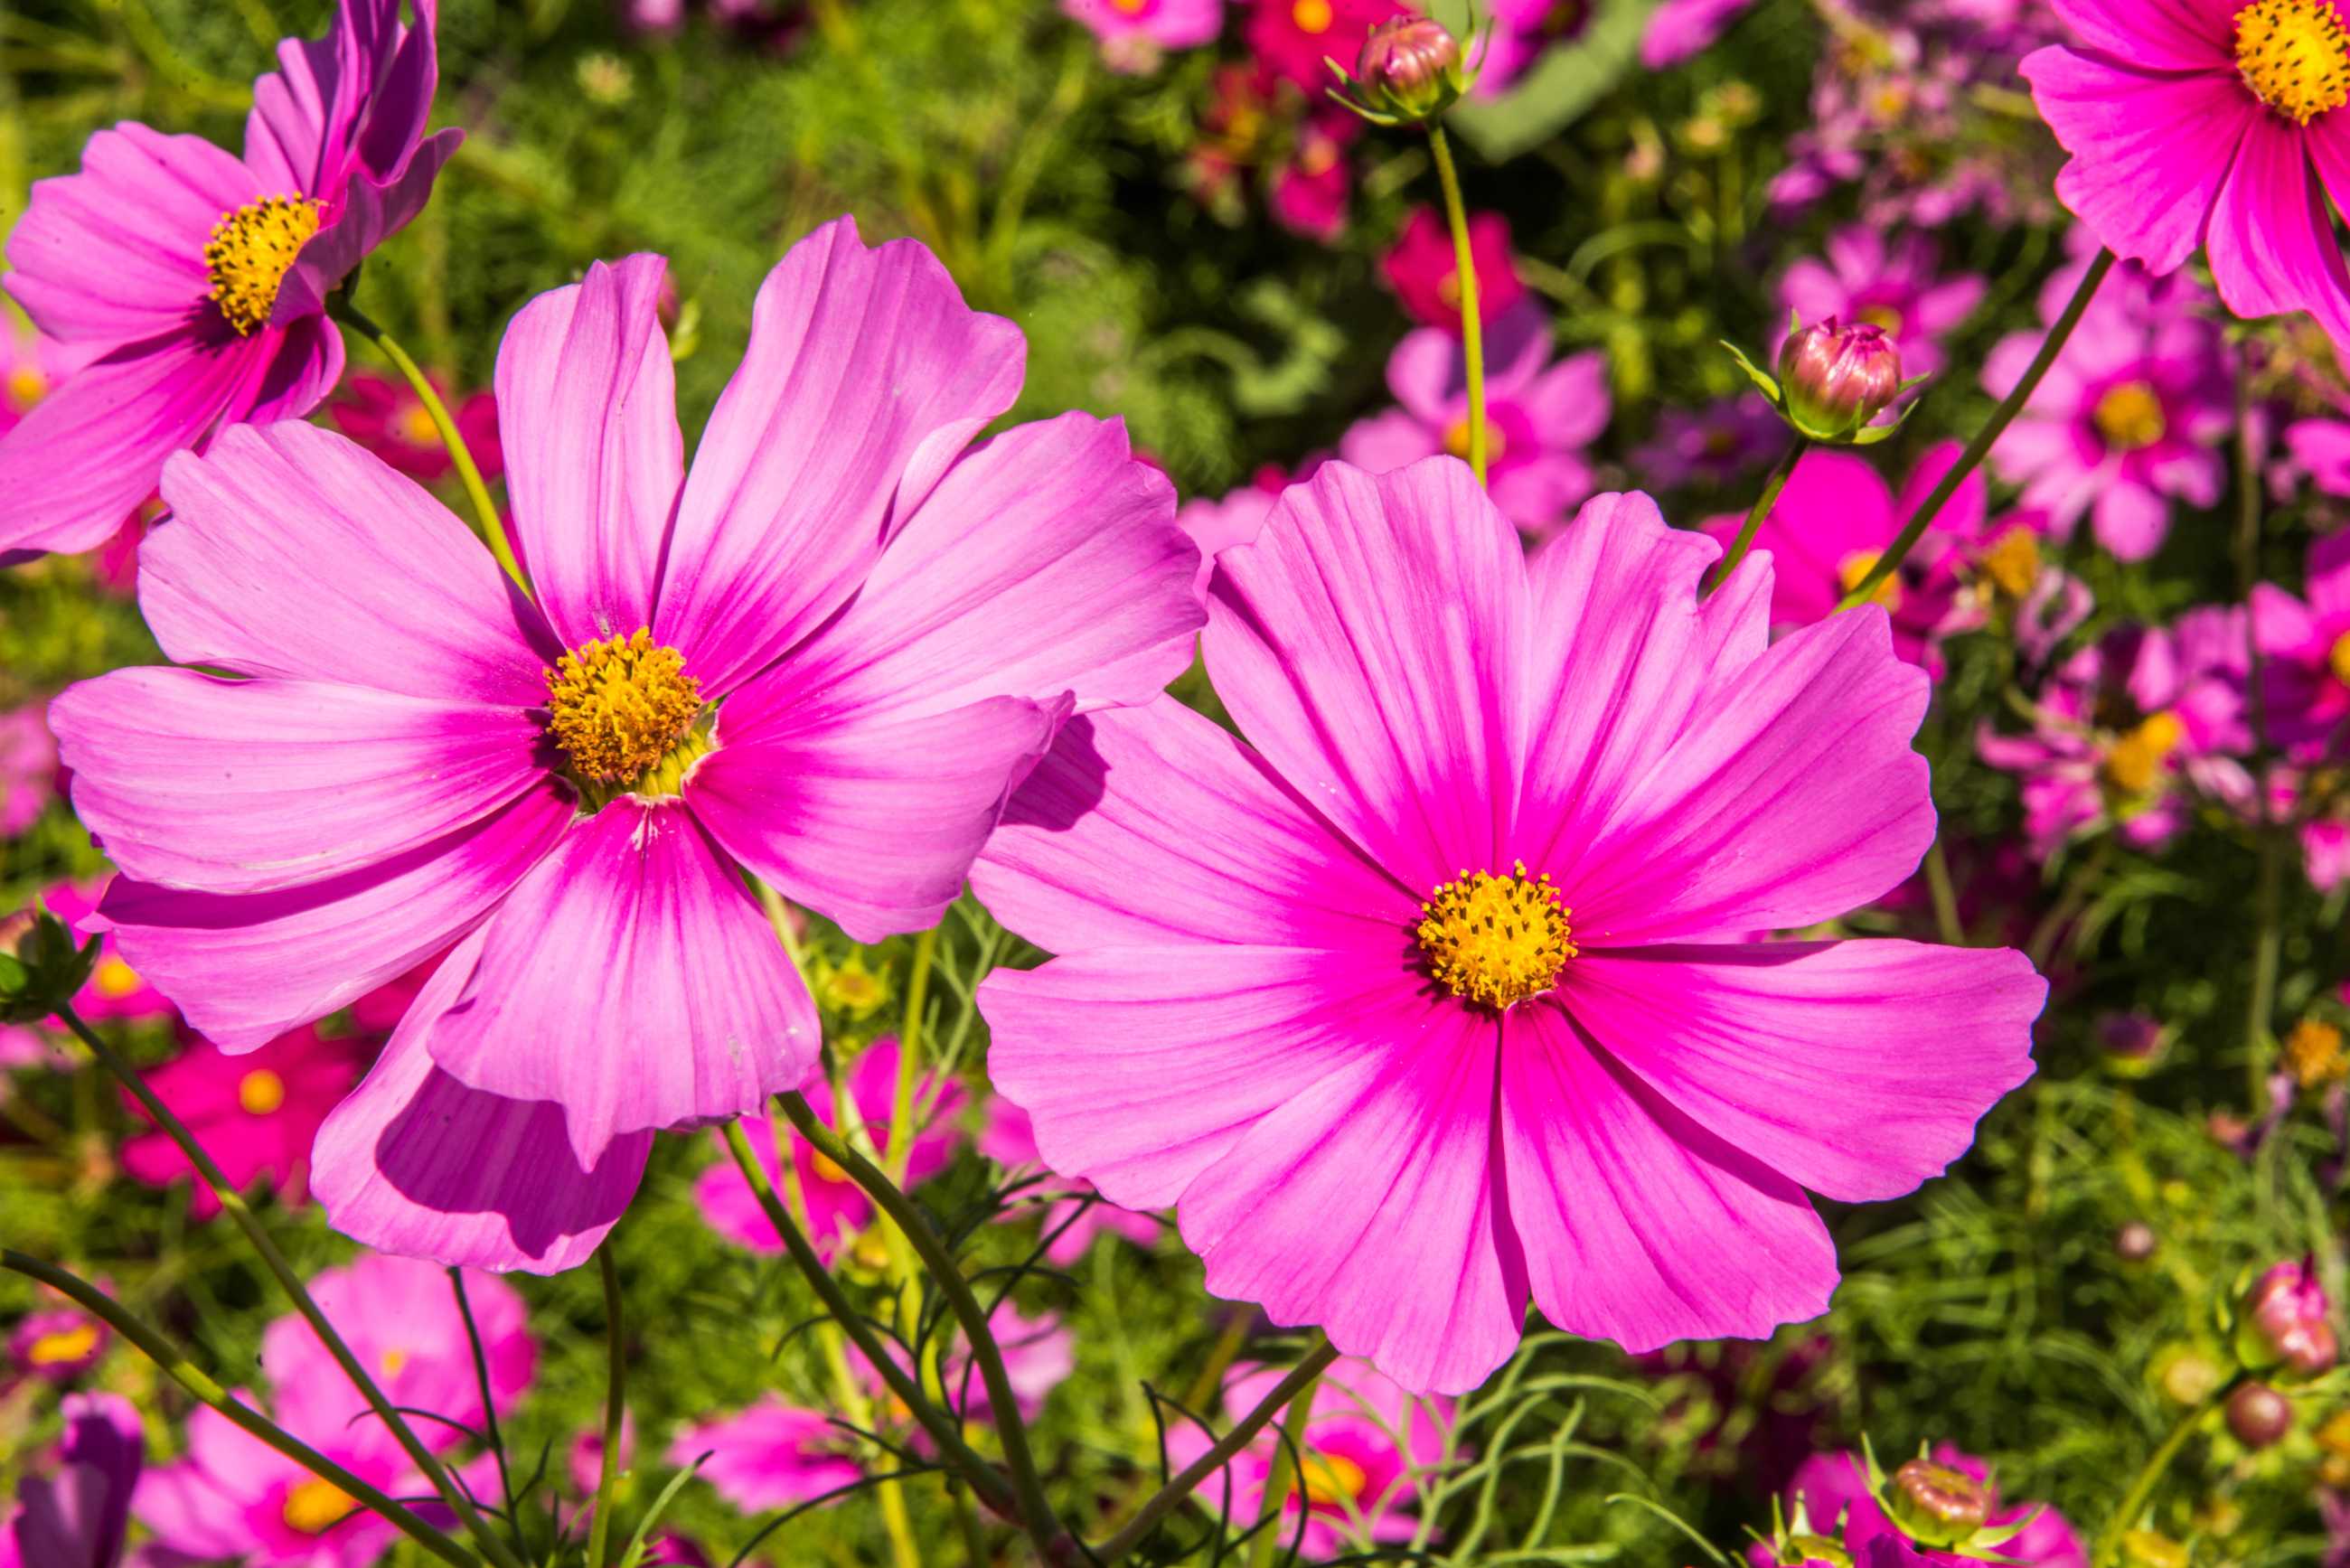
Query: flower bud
(1410, 69)
(2283, 1322)
(1936, 1504)
(2135, 1242)
(2258, 1415)
(1834, 376)
(2134, 1043)
(40, 967)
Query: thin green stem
(910, 1054)
(1286, 1475)
(1472, 320)
(1946, 900)
(982, 1477)
(1754, 516)
(201, 1387)
(1163, 1501)
(615, 1405)
(2149, 1475)
(232, 1202)
(469, 473)
(490, 1432)
(2268, 935)
(1034, 1514)
(1993, 427)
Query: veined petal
(2156, 34)
(372, 212)
(2272, 240)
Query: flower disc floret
(621, 706)
(251, 251)
(2130, 417)
(2295, 55)
(1496, 940)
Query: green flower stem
(468, 472)
(1472, 324)
(1035, 1514)
(1286, 1476)
(2149, 1476)
(234, 1203)
(1755, 514)
(901, 1148)
(1187, 1481)
(616, 1407)
(201, 1387)
(2271, 836)
(982, 1477)
(1993, 427)
(489, 1398)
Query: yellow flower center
(64, 1347)
(26, 385)
(2130, 417)
(395, 1361)
(2294, 56)
(1854, 570)
(2012, 561)
(822, 1165)
(115, 978)
(253, 248)
(2136, 763)
(1456, 440)
(316, 1506)
(2313, 1052)
(260, 1092)
(624, 710)
(1496, 940)
(1132, 7)
(1883, 316)
(1311, 16)
(416, 425)
(1332, 1480)
(2337, 659)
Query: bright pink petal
(306, 366)
(1858, 1069)
(242, 787)
(697, 1013)
(1638, 1225)
(865, 377)
(588, 426)
(417, 1164)
(293, 552)
(2156, 34)
(1368, 643)
(2271, 241)
(1046, 561)
(372, 212)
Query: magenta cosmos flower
(1070, 1223)
(1440, 993)
(29, 768)
(1134, 33)
(772, 1455)
(76, 1518)
(1680, 29)
(2210, 124)
(1539, 415)
(390, 419)
(1895, 288)
(2304, 643)
(824, 656)
(257, 1113)
(1422, 269)
(197, 282)
(59, 1345)
(1292, 39)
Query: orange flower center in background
(260, 1092)
(2337, 659)
(1854, 570)
(2295, 55)
(64, 1347)
(2136, 762)
(1311, 16)
(1456, 440)
(251, 251)
(1332, 1480)
(2312, 1053)
(2130, 417)
(1883, 316)
(114, 977)
(2012, 561)
(416, 425)
(26, 385)
(1496, 940)
(624, 710)
(316, 1506)
(823, 1167)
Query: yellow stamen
(2295, 55)
(2135, 763)
(2337, 659)
(1883, 316)
(26, 385)
(115, 978)
(1311, 16)
(1332, 1480)
(2130, 417)
(251, 251)
(1854, 569)
(316, 1506)
(260, 1092)
(2012, 561)
(1132, 7)
(1496, 940)
(2312, 1052)
(623, 709)
(64, 1347)
(394, 1361)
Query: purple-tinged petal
(697, 1013)
(372, 212)
(306, 366)
(347, 105)
(865, 377)
(416, 1163)
(76, 1519)
(293, 552)
(587, 424)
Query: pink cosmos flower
(30, 364)
(2209, 124)
(1421, 269)
(1830, 1485)
(1520, 31)
(1279, 1000)
(837, 1209)
(1539, 415)
(1682, 29)
(60, 1344)
(824, 656)
(2320, 449)
(2304, 644)
(2129, 418)
(77, 1517)
(195, 283)
(1836, 517)
(1134, 33)
(1072, 1222)
(388, 418)
(256, 1114)
(1893, 286)
(1714, 445)
(29, 768)
(1368, 1446)
(1291, 39)
(772, 1455)
(1039, 1353)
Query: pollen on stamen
(1496, 940)
(621, 708)
(251, 251)
(2295, 55)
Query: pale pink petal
(696, 1015)
(1638, 1225)
(770, 1456)
(588, 426)
(865, 377)
(2271, 241)
(2130, 519)
(1385, 443)
(1858, 1069)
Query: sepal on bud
(1834, 381)
(41, 967)
(1411, 69)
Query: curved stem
(1035, 1514)
(1163, 1501)
(1993, 427)
(201, 1387)
(469, 473)
(1473, 321)
(232, 1202)
(1754, 516)
(489, 1395)
(2156, 1464)
(1286, 1476)
(981, 1476)
(2272, 837)
(616, 1407)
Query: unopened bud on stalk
(40, 966)
(1409, 72)
(1937, 1504)
(2284, 1320)
(1838, 375)
(2259, 1415)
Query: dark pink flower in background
(388, 418)
(1072, 1222)
(255, 1112)
(29, 768)
(1895, 288)
(1835, 1485)
(1540, 415)
(1313, 187)
(1291, 39)
(1520, 31)
(773, 1455)
(191, 284)
(77, 1517)
(2320, 450)
(30, 366)
(1134, 34)
(1679, 29)
(1715, 445)
(58, 1345)
(2304, 641)
(1420, 268)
